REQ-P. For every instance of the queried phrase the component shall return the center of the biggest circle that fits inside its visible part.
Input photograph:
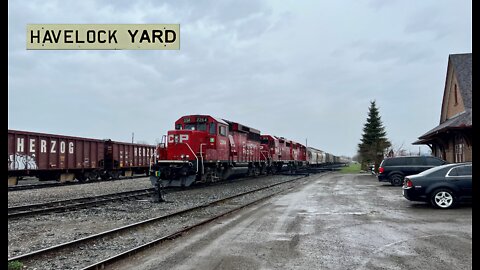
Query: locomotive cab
(274, 152)
(198, 138)
(269, 147)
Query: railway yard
(278, 136)
(96, 212)
(59, 236)
(215, 225)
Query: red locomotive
(203, 148)
(279, 152)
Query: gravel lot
(336, 221)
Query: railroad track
(105, 241)
(66, 205)
(58, 184)
(72, 204)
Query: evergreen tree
(374, 141)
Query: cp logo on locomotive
(177, 138)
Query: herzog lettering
(65, 146)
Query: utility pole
(132, 136)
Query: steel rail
(130, 252)
(63, 205)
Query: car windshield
(434, 169)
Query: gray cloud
(299, 70)
(394, 52)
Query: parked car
(394, 169)
(442, 186)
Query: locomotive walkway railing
(201, 156)
(196, 157)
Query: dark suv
(393, 170)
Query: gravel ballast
(37, 232)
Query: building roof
(461, 120)
(462, 66)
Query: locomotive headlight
(187, 156)
(182, 156)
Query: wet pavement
(336, 221)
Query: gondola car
(65, 158)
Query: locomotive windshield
(196, 126)
(202, 126)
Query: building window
(456, 94)
(459, 149)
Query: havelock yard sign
(103, 37)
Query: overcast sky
(297, 69)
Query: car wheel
(443, 198)
(396, 180)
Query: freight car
(203, 148)
(316, 157)
(65, 158)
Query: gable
(454, 104)
(458, 86)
